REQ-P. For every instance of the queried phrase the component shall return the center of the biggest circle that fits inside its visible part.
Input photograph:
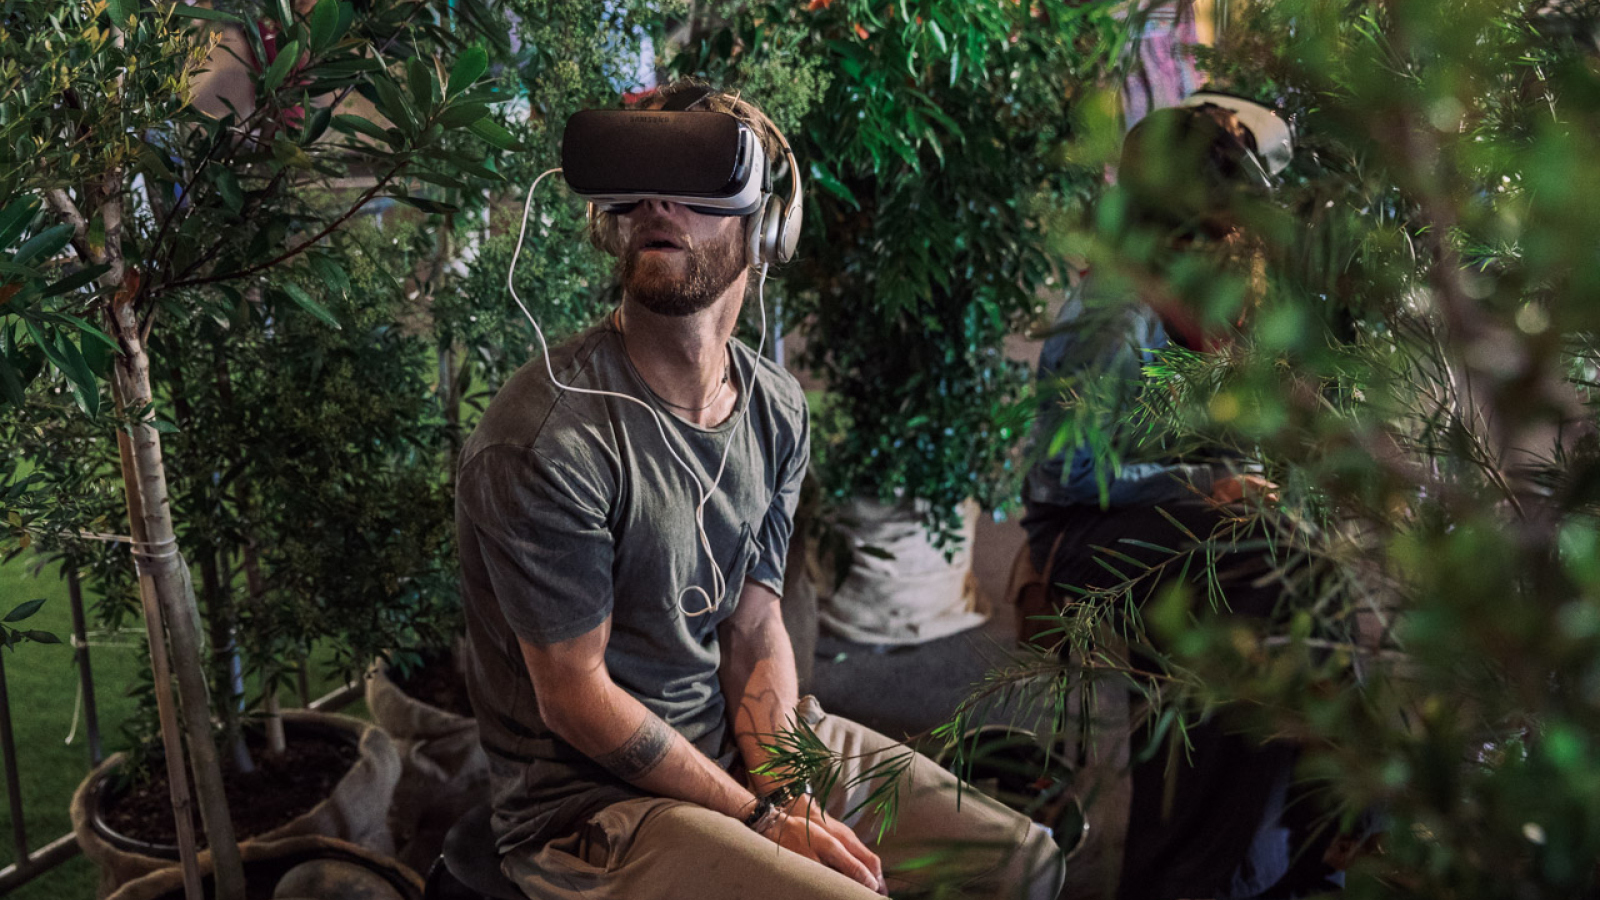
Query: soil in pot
(280, 789)
(436, 682)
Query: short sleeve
(777, 527)
(541, 532)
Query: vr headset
(708, 161)
(711, 162)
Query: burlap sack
(265, 862)
(443, 770)
(356, 811)
(913, 597)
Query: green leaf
(23, 610)
(41, 637)
(14, 219)
(185, 11)
(437, 178)
(462, 116)
(471, 65)
(85, 389)
(324, 25)
(317, 125)
(43, 245)
(494, 135)
(76, 280)
(348, 123)
(228, 187)
(285, 14)
(281, 64)
(424, 88)
(310, 305)
(429, 206)
(11, 381)
(393, 105)
(121, 11)
(330, 273)
(832, 185)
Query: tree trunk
(162, 565)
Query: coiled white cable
(719, 583)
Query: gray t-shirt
(570, 509)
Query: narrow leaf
(41, 637)
(324, 25)
(14, 219)
(424, 89)
(462, 116)
(228, 187)
(121, 11)
(310, 305)
(23, 610)
(184, 10)
(43, 245)
(281, 64)
(11, 382)
(76, 280)
(429, 206)
(494, 135)
(348, 123)
(471, 65)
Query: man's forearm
(758, 678)
(628, 740)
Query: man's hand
(1236, 488)
(804, 828)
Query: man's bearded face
(676, 262)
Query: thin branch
(298, 248)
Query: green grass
(42, 683)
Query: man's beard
(707, 273)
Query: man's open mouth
(659, 241)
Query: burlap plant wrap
(356, 811)
(443, 770)
(912, 596)
(265, 862)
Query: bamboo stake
(155, 633)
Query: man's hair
(603, 226)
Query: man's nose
(659, 207)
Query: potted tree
(935, 156)
(220, 201)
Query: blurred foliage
(1407, 348)
(934, 147)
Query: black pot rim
(97, 794)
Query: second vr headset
(711, 162)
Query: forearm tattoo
(641, 753)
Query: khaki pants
(659, 848)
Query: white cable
(719, 586)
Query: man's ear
(603, 232)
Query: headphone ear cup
(771, 233)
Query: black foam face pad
(684, 153)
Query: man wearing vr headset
(624, 515)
